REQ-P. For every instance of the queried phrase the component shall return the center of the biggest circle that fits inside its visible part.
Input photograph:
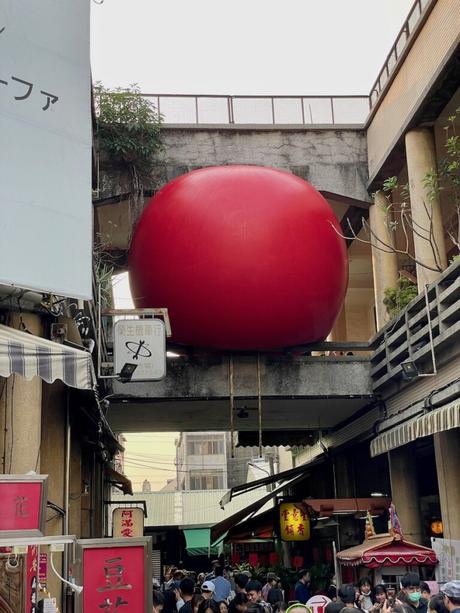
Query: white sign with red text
(318, 603)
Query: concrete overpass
(298, 394)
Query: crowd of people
(414, 596)
(222, 591)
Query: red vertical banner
(31, 578)
(115, 575)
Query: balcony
(421, 332)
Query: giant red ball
(243, 257)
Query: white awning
(438, 420)
(29, 356)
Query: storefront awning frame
(28, 355)
(432, 422)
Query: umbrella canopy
(387, 550)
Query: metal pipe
(66, 495)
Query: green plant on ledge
(397, 298)
(128, 131)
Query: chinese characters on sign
(115, 575)
(128, 522)
(141, 343)
(294, 522)
(22, 502)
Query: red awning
(386, 550)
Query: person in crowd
(380, 596)
(196, 600)
(223, 606)
(158, 601)
(411, 594)
(222, 587)
(275, 594)
(346, 592)
(365, 600)
(436, 604)
(280, 607)
(331, 591)
(256, 607)
(200, 578)
(425, 589)
(302, 587)
(210, 576)
(208, 589)
(254, 592)
(239, 604)
(186, 591)
(208, 606)
(171, 596)
(451, 595)
(272, 581)
(241, 581)
(298, 607)
(347, 595)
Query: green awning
(198, 542)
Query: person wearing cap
(208, 589)
(222, 586)
(272, 580)
(451, 595)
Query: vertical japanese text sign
(128, 522)
(116, 575)
(23, 504)
(294, 522)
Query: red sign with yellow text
(294, 522)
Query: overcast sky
(307, 47)
(244, 46)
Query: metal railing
(418, 333)
(262, 110)
(419, 9)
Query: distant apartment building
(204, 461)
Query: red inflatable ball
(244, 258)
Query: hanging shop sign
(294, 522)
(128, 522)
(140, 349)
(23, 505)
(115, 574)
(318, 603)
(448, 553)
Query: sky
(242, 47)
(308, 47)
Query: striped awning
(29, 356)
(438, 420)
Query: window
(207, 481)
(205, 447)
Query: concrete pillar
(405, 493)
(447, 453)
(384, 264)
(421, 158)
(20, 414)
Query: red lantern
(253, 559)
(297, 561)
(244, 257)
(273, 558)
